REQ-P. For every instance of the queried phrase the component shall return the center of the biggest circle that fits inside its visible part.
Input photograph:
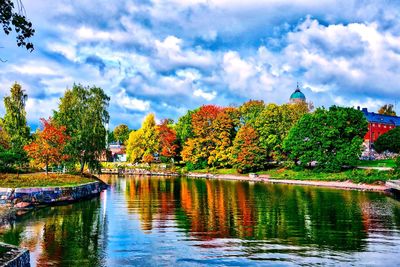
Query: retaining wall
(26, 197)
(13, 256)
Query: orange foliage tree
(167, 140)
(213, 130)
(48, 145)
(247, 154)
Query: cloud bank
(168, 56)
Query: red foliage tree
(48, 146)
(247, 154)
(167, 139)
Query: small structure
(118, 151)
(297, 96)
(378, 124)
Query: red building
(378, 124)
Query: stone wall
(13, 256)
(27, 197)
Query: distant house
(118, 151)
(378, 124)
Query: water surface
(145, 221)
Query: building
(297, 96)
(378, 124)
(118, 152)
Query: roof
(380, 118)
(298, 95)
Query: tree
(135, 146)
(273, 125)
(247, 154)
(387, 109)
(49, 144)
(121, 133)
(15, 125)
(167, 139)
(12, 17)
(214, 129)
(184, 128)
(15, 117)
(144, 142)
(250, 111)
(389, 141)
(332, 138)
(4, 137)
(83, 110)
(224, 131)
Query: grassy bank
(388, 163)
(356, 176)
(41, 180)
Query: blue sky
(170, 56)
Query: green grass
(356, 176)
(377, 163)
(41, 180)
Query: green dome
(298, 95)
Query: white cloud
(171, 55)
(131, 103)
(206, 95)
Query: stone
(22, 205)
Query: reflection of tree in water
(207, 209)
(152, 199)
(64, 234)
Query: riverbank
(40, 179)
(349, 185)
(21, 193)
(365, 176)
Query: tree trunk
(47, 169)
(82, 165)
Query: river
(142, 221)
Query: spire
(297, 87)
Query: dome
(297, 96)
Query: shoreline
(346, 185)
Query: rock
(21, 205)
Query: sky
(170, 56)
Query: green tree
(4, 137)
(332, 138)
(121, 133)
(83, 110)
(15, 117)
(273, 125)
(247, 154)
(12, 18)
(15, 126)
(387, 109)
(184, 128)
(250, 111)
(389, 141)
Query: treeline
(252, 136)
(74, 135)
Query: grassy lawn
(356, 176)
(41, 180)
(377, 163)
